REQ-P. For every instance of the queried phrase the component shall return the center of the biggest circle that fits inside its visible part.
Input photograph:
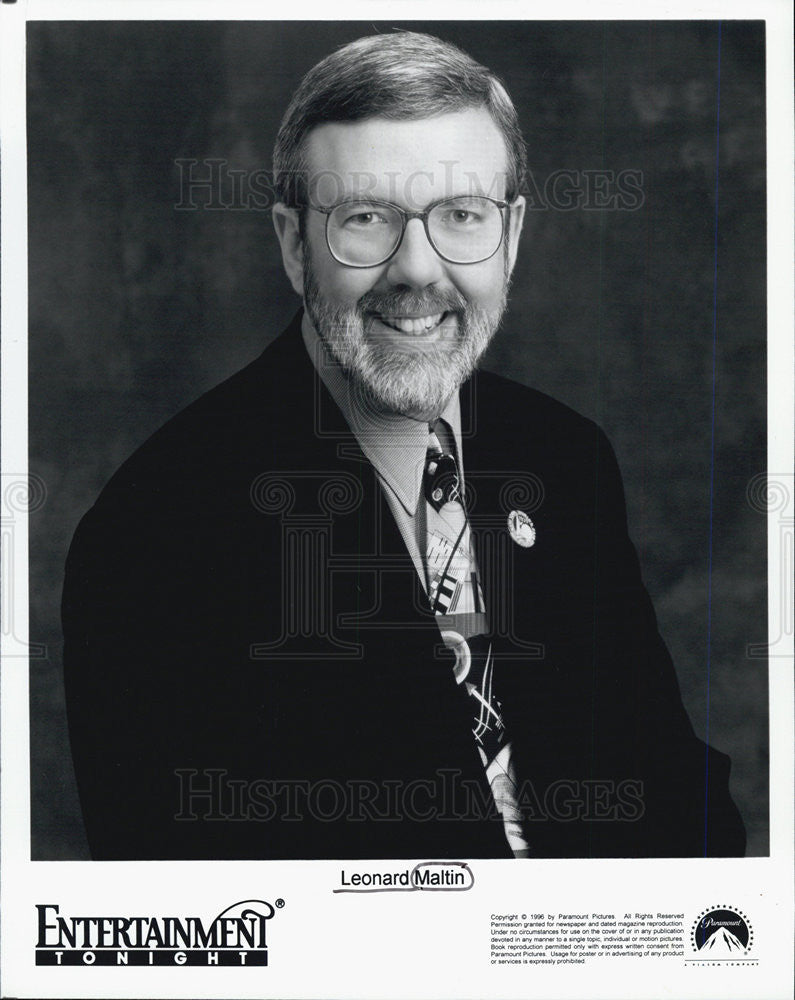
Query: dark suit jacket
(240, 615)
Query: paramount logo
(722, 942)
(236, 937)
(720, 935)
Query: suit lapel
(500, 480)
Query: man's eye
(462, 217)
(364, 220)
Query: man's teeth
(412, 324)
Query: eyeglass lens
(463, 230)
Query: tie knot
(434, 445)
(441, 482)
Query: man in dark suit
(362, 600)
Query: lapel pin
(521, 529)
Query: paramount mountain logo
(721, 933)
(236, 937)
(722, 942)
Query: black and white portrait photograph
(398, 391)
(396, 588)
(396, 575)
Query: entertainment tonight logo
(236, 937)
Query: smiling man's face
(412, 329)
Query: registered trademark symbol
(279, 903)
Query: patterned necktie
(453, 587)
(455, 595)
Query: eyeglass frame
(405, 218)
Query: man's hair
(403, 76)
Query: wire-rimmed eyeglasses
(467, 229)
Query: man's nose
(416, 264)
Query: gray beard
(413, 383)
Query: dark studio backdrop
(649, 319)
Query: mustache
(396, 302)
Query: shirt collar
(394, 444)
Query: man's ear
(516, 211)
(285, 221)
